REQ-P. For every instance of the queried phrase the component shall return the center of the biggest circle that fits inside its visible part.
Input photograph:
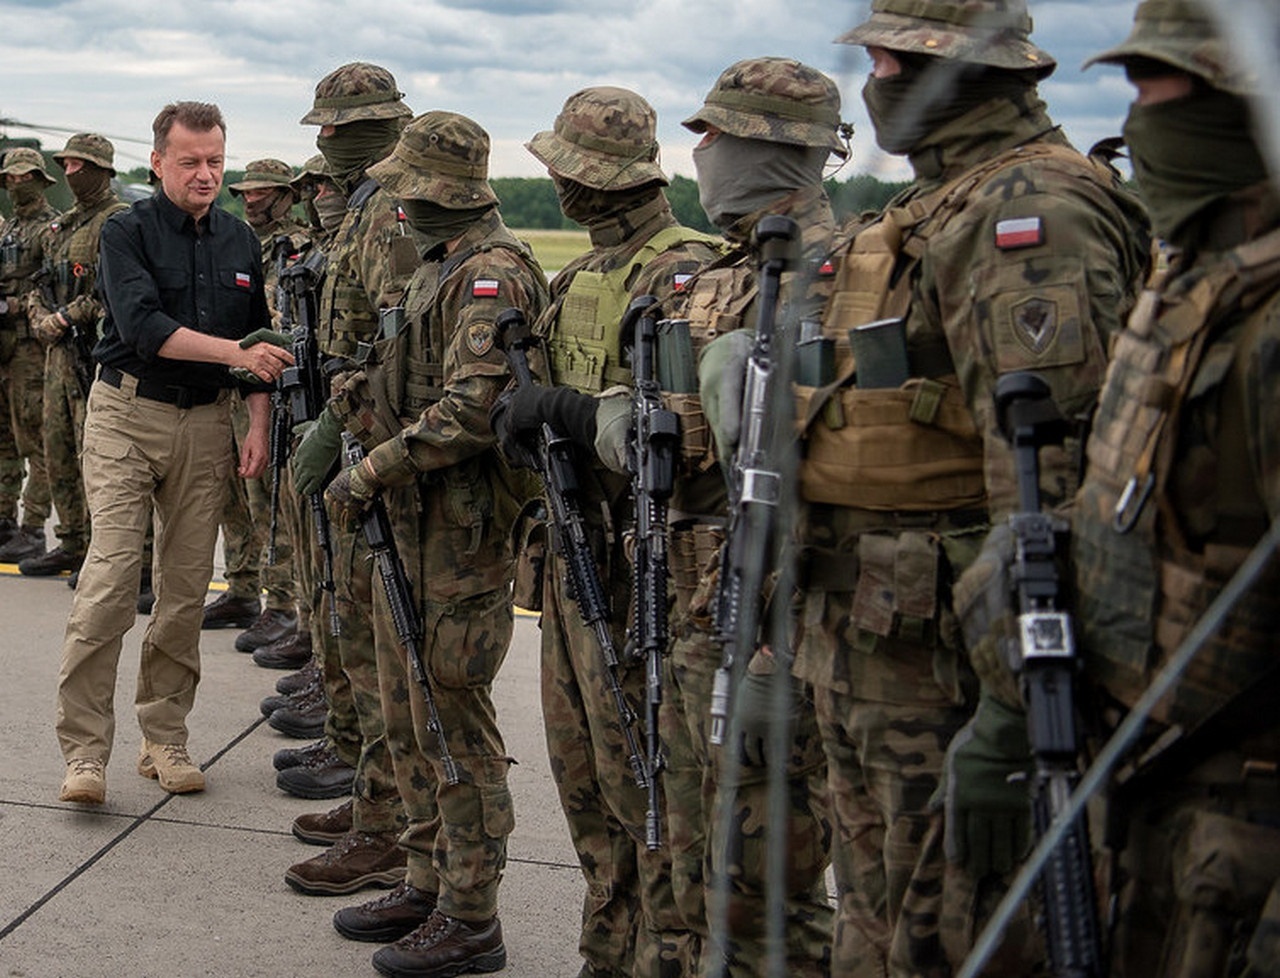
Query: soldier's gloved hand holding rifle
(518, 416)
(321, 441)
(721, 373)
(351, 492)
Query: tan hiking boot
(172, 766)
(85, 782)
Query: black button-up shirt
(160, 269)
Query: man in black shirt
(181, 282)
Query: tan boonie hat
(355, 91)
(264, 175)
(91, 147)
(605, 138)
(442, 157)
(775, 99)
(995, 33)
(24, 159)
(1180, 33)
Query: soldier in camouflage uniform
(370, 260)
(321, 198)
(420, 408)
(1177, 490)
(602, 156)
(22, 240)
(1009, 251)
(62, 310)
(775, 122)
(269, 198)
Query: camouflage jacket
(1179, 488)
(22, 242)
(439, 377)
(371, 258)
(71, 259)
(300, 241)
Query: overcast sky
(109, 65)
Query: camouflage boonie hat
(24, 159)
(775, 99)
(1180, 34)
(605, 138)
(442, 157)
(356, 91)
(91, 147)
(264, 175)
(985, 32)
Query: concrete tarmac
(152, 885)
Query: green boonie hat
(775, 99)
(1180, 34)
(985, 32)
(91, 147)
(264, 175)
(442, 157)
(313, 171)
(356, 91)
(605, 138)
(24, 159)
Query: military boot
(386, 918)
(231, 611)
(293, 756)
(26, 542)
(444, 946)
(171, 765)
(291, 652)
(271, 626)
(305, 720)
(321, 776)
(85, 782)
(357, 860)
(54, 562)
(297, 680)
(270, 704)
(324, 828)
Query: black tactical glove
(518, 415)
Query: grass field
(554, 249)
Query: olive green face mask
(439, 224)
(1188, 154)
(25, 195)
(357, 145)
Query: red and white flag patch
(828, 267)
(243, 281)
(1019, 232)
(484, 288)
(680, 279)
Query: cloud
(109, 65)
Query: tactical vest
(19, 260)
(1143, 581)
(915, 448)
(585, 348)
(73, 256)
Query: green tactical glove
(721, 374)
(266, 336)
(316, 452)
(985, 791)
(753, 702)
(350, 493)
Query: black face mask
(928, 93)
(88, 182)
(1188, 154)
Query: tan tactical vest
(73, 256)
(585, 349)
(915, 448)
(1143, 584)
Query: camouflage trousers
(246, 523)
(692, 787)
(21, 435)
(1199, 876)
(63, 429)
(885, 745)
(631, 924)
(355, 720)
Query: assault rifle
(80, 341)
(300, 396)
(754, 487)
(1047, 667)
(655, 438)
(554, 463)
(376, 526)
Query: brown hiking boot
(325, 828)
(291, 652)
(288, 757)
(172, 766)
(304, 720)
(85, 782)
(387, 918)
(442, 947)
(298, 680)
(320, 776)
(54, 562)
(27, 541)
(272, 625)
(231, 611)
(357, 860)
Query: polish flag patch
(242, 280)
(827, 268)
(679, 280)
(1019, 232)
(484, 288)
(400, 214)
